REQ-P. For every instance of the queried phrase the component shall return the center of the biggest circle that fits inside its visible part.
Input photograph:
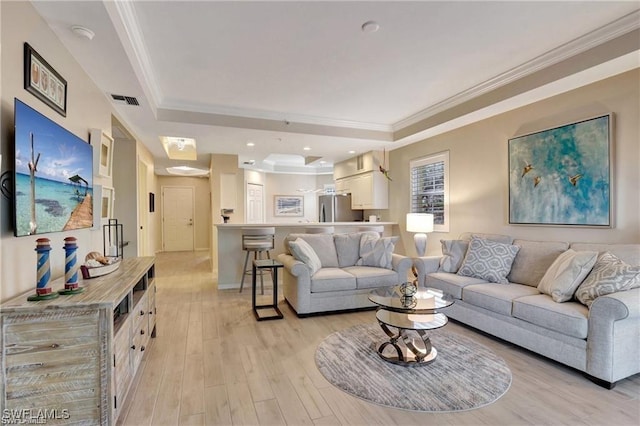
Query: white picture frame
(106, 204)
(288, 205)
(102, 153)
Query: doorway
(255, 203)
(177, 218)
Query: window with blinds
(430, 188)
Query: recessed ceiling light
(352, 152)
(306, 148)
(370, 27)
(187, 171)
(251, 144)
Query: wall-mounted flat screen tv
(53, 181)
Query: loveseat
(596, 334)
(345, 269)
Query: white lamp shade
(419, 222)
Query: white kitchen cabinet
(368, 190)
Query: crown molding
(140, 58)
(274, 116)
(572, 48)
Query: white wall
(291, 184)
(479, 166)
(87, 108)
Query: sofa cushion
(609, 275)
(371, 277)
(332, 279)
(302, 251)
(453, 252)
(533, 260)
(629, 253)
(488, 260)
(347, 248)
(498, 238)
(322, 244)
(569, 318)
(566, 273)
(451, 283)
(376, 252)
(496, 297)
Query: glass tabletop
(411, 321)
(424, 300)
(267, 263)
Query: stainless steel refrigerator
(337, 208)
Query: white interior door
(255, 203)
(143, 211)
(177, 218)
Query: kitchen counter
(230, 256)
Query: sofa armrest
(426, 265)
(613, 342)
(296, 283)
(401, 264)
(293, 265)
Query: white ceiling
(294, 74)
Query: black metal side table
(274, 265)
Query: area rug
(466, 375)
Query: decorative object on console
(562, 176)
(97, 265)
(43, 289)
(112, 239)
(421, 224)
(70, 268)
(44, 82)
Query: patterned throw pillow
(566, 273)
(376, 251)
(609, 275)
(301, 250)
(488, 260)
(453, 252)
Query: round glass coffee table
(406, 314)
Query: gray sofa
(340, 284)
(602, 340)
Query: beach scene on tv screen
(53, 176)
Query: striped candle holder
(43, 290)
(70, 268)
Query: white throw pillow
(609, 275)
(301, 250)
(488, 260)
(453, 252)
(566, 273)
(376, 251)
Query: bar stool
(372, 228)
(319, 230)
(256, 241)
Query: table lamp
(420, 223)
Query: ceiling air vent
(128, 100)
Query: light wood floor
(212, 363)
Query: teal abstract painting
(562, 176)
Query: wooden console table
(75, 357)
